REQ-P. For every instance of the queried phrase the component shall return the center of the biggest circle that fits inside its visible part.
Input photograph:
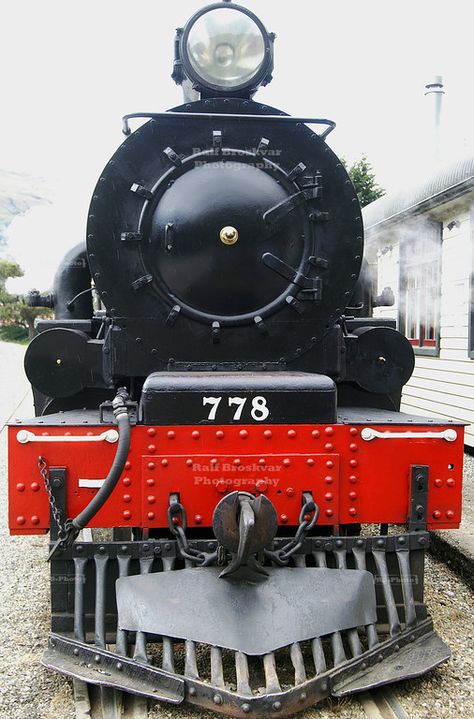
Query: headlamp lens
(225, 47)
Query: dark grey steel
(291, 604)
(104, 668)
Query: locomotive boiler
(238, 510)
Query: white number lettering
(214, 402)
(240, 402)
(260, 410)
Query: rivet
(119, 666)
(329, 447)
(192, 691)
(310, 462)
(276, 706)
(20, 487)
(436, 514)
(352, 511)
(127, 498)
(197, 519)
(422, 540)
(128, 465)
(217, 699)
(450, 482)
(328, 496)
(124, 548)
(401, 540)
(303, 696)
(102, 549)
(189, 462)
(284, 518)
(412, 637)
(292, 433)
(353, 495)
(339, 543)
(329, 464)
(286, 462)
(220, 435)
(244, 434)
(152, 448)
(171, 434)
(329, 431)
(151, 431)
(290, 492)
(34, 486)
(397, 647)
(438, 482)
(237, 461)
(151, 515)
(164, 463)
(380, 658)
(353, 431)
(126, 514)
(126, 481)
(262, 462)
(195, 435)
(363, 665)
(352, 479)
(315, 433)
(76, 652)
(151, 465)
(213, 460)
(20, 520)
(261, 485)
(324, 686)
(97, 659)
(359, 542)
(353, 463)
(35, 519)
(151, 499)
(79, 548)
(380, 542)
(245, 708)
(450, 514)
(329, 512)
(267, 434)
(353, 447)
(221, 487)
(150, 482)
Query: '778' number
(259, 411)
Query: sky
(70, 69)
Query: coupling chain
(67, 533)
(177, 512)
(282, 556)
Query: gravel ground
(27, 691)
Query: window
(420, 285)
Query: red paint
(200, 473)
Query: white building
(421, 243)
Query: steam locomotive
(238, 510)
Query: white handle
(448, 434)
(24, 436)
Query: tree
(14, 311)
(363, 179)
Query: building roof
(445, 184)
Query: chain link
(43, 470)
(282, 556)
(201, 559)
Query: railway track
(381, 704)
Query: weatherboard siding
(444, 385)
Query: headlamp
(225, 48)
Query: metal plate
(292, 605)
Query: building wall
(441, 385)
